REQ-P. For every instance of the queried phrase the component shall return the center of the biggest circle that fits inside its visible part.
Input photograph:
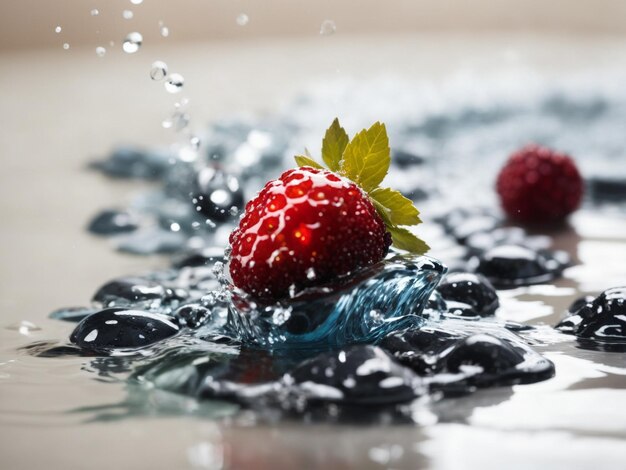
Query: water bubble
(66, 46)
(127, 14)
(158, 71)
(243, 19)
(95, 12)
(328, 27)
(58, 29)
(174, 227)
(165, 31)
(174, 83)
(234, 210)
(132, 43)
(100, 51)
(136, 2)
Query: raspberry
(539, 185)
(305, 228)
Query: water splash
(335, 315)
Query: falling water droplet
(136, 2)
(174, 83)
(165, 31)
(100, 51)
(66, 46)
(95, 12)
(243, 19)
(127, 14)
(158, 71)
(328, 27)
(182, 103)
(58, 29)
(194, 141)
(132, 43)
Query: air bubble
(127, 14)
(165, 31)
(136, 2)
(58, 29)
(100, 51)
(328, 27)
(95, 12)
(132, 43)
(66, 46)
(243, 19)
(158, 71)
(174, 83)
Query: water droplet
(174, 227)
(188, 154)
(58, 29)
(127, 14)
(100, 51)
(95, 12)
(234, 211)
(158, 71)
(24, 327)
(165, 31)
(136, 2)
(243, 19)
(182, 103)
(66, 46)
(328, 27)
(132, 43)
(194, 141)
(174, 83)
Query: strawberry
(312, 225)
(539, 185)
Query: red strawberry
(305, 228)
(538, 185)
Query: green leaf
(400, 209)
(301, 160)
(405, 240)
(383, 212)
(367, 157)
(333, 145)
